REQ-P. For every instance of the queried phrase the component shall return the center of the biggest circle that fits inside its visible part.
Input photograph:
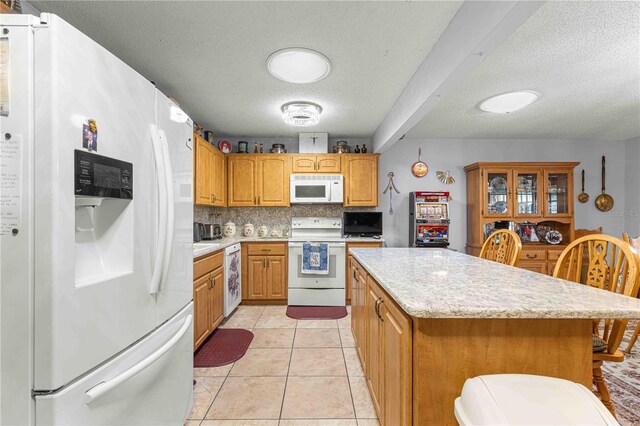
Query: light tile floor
(294, 373)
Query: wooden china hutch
(532, 199)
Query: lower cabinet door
(396, 346)
(202, 324)
(539, 267)
(257, 277)
(374, 346)
(216, 300)
(362, 314)
(276, 277)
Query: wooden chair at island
(635, 243)
(579, 233)
(502, 246)
(612, 266)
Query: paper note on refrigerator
(5, 66)
(10, 184)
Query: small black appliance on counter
(362, 224)
(211, 232)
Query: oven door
(335, 278)
(311, 191)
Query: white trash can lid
(522, 399)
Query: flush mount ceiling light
(509, 102)
(298, 65)
(301, 114)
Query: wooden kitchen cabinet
(359, 244)
(243, 180)
(374, 341)
(208, 296)
(357, 279)
(360, 180)
(210, 174)
(273, 180)
(521, 193)
(256, 278)
(315, 163)
(383, 338)
(258, 180)
(266, 272)
(201, 324)
(396, 364)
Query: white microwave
(316, 189)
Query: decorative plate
(498, 183)
(225, 146)
(500, 206)
(553, 237)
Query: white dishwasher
(232, 281)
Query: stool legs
(633, 339)
(602, 391)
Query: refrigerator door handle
(162, 231)
(102, 388)
(170, 224)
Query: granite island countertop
(440, 283)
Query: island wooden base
(448, 351)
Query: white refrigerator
(96, 172)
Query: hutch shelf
(532, 199)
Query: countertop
(205, 247)
(440, 283)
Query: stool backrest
(582, 232)
(611, 265)
(503, 246)
(633, 242)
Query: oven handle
(331, 245)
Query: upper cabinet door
(242, 177)
(219, 178)
(328, 163)
(303, 163)
(360, 180)
(273, 180)
(558, 193)
(202, 173)
(498, 192)
(528, 193)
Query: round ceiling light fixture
(301, 114)
(298, 65)
(509, 102)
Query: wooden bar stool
(635, 243)
(612, 266)
(503, 246)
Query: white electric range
(313, 289)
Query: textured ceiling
(211, 55)
(584, 60)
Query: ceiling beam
(474, 32)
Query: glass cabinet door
(558, 197)
(528, 185)
(498, 193)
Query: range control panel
(99, 176)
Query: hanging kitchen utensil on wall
(583, 197)
(419, 168)
(604, 202)
(445, 177)
(391, 186)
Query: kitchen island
(425, 320)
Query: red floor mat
(223, 347)
(316, 312)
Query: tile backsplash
(273, 217)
